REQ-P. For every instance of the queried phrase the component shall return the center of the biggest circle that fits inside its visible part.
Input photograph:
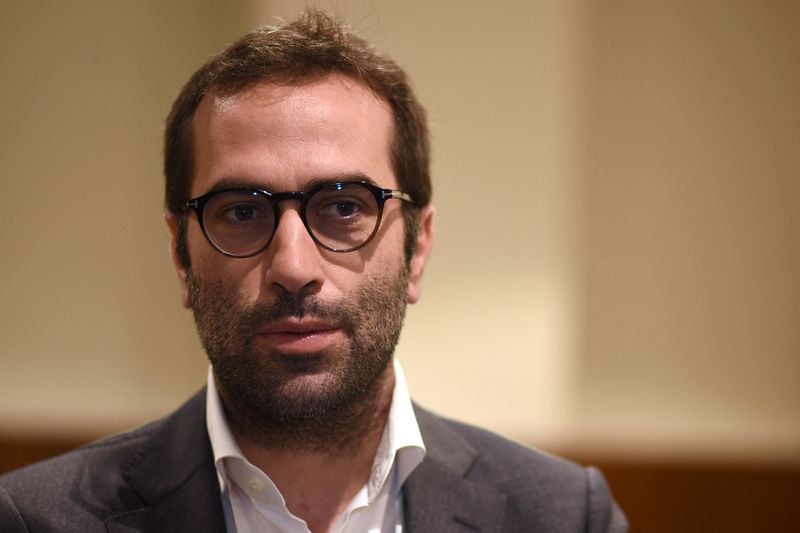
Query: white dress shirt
(252, 503)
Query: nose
(293, 260)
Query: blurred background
(616, 271)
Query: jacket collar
(438, 496)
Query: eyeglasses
(339, 216)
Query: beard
(319, 401)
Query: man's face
(297, 330)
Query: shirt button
(254, 485)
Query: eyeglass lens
(341, 217)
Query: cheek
(345, 272)
(393, 245)
(237, 276)
(196, 242)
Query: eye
(241, 213)
(341, 208)
(341, 211)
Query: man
(298, 199)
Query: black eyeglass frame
(381, 195)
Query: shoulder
(104, 458)
(63, 491)
(504, 459)
(533, 482)
(78, 490)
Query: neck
(319, 479)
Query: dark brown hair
(314, 45)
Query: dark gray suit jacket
(160, 478)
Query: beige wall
(692, 225)
(92, 333)
(615, 184)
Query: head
(299, 336)
(311, 47)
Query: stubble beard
(320, 402)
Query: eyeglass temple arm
(399, 195)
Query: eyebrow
(232, 183)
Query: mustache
(286, 305)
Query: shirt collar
(401, 440)
(401, 444)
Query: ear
(172, 223)
(421, 253)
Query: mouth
(299, 336)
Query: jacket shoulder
(67, 492)
(554, 493)
(499, 457)
(79, 490)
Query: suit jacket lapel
(438, 496)
(174, 475)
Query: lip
(299, 336)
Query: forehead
(282, 137)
